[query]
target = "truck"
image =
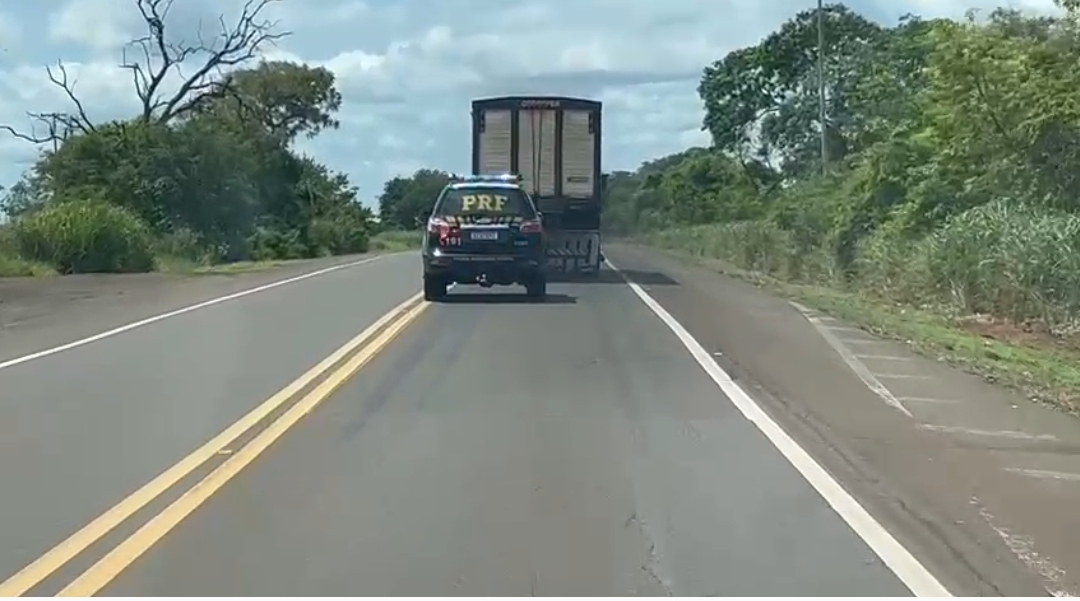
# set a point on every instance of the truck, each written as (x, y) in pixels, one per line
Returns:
(553, 144)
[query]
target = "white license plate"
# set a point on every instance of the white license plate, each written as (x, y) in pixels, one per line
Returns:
(484, 236)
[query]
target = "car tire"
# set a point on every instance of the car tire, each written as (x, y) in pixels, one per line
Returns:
(434, 289)
(536, 287)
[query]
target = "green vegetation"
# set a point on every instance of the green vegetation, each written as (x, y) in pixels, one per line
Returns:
(201, 176)
(950, 192)
(396, 240)
(406, 201)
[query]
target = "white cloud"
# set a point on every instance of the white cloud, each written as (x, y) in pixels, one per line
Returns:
(408, 68)
(348, 11)
(97, 25)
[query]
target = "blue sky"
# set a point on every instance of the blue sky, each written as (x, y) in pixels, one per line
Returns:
(408, 68)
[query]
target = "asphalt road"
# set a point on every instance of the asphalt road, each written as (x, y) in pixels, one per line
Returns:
(495, 447)
(81, 429)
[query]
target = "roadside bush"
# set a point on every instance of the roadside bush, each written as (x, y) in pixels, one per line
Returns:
(759, 246)
(269, 243)
(1004, 258)
(7, 241)
(11, 264)
(1008, 259)
(892, 264)
(186, 244)
(397, 240)
(339, 235)
(85, 237)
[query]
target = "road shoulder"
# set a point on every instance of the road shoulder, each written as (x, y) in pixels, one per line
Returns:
(966, 482)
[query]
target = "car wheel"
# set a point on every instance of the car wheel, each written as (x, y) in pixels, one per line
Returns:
(434, 289)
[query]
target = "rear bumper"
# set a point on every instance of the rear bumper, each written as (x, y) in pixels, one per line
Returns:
(496, 269)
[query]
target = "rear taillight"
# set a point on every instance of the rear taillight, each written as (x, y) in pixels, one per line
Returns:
(437, 226)
(443, 231)
(531, 227)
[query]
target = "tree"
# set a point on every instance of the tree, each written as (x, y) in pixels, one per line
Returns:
(762, 100)
(284, 99)
(207, 169)
(25, 196)
(406, 201)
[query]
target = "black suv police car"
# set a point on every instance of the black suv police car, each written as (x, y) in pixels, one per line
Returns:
(484, 230)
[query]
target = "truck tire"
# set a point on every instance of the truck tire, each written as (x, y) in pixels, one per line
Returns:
(434, 289)
(536, 287)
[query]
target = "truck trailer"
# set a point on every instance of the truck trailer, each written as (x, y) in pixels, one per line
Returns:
(553, 144)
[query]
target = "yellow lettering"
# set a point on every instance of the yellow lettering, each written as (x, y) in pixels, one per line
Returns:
(484, 202)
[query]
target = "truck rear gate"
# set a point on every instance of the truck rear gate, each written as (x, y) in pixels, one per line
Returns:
(554, 144)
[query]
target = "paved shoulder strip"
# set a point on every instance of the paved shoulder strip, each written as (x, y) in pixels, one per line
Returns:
(156, 318)
(898, 559)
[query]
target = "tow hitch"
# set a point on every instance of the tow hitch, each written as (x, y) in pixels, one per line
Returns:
(484, 281)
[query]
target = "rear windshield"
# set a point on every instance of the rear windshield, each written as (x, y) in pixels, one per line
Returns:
(485, 201)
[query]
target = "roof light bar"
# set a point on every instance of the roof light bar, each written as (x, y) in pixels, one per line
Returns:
(496, 177)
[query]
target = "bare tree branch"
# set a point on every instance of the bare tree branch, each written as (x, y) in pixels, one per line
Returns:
(59, 126)
(234, 45)
(159, 56)
(79, 119)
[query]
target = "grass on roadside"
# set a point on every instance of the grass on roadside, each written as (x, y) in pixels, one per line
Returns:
(179, 265)
(11, 265)
(396, 241)
(1043, 369)
(14, 267)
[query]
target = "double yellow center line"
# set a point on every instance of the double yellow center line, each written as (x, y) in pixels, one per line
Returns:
(334, 371)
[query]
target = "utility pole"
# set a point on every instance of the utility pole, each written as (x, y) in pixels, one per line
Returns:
(822, 116)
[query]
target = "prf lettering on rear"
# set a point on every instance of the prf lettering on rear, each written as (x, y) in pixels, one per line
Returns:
(494, 203)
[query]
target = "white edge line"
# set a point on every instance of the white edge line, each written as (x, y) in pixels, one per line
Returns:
(163, 316)
(866, 340)
(1044, 474)
(857, 366)
(842, 328)
(801, 308)
(907, 568)
(1013, 434)
(924, 399)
